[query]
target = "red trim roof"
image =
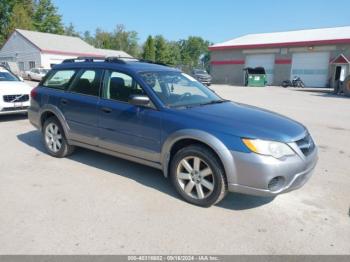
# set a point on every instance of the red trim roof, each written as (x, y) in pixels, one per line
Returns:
(340, 59)
(286, 44)
(228, 62)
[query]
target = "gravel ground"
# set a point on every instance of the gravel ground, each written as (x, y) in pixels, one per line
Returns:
(91, 203)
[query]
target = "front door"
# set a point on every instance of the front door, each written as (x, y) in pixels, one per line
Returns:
(125, 128)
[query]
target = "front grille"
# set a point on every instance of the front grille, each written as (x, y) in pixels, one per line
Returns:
(16, 98)
(7, 109)
(306, 145)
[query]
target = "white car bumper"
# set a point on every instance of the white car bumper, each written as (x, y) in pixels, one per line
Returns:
(13, 108)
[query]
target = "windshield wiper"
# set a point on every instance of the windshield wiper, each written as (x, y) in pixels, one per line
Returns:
(215, 102)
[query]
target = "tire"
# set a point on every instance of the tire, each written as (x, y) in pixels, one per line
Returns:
(53, 137)
(30, 78)
(206, 184)
(346, 86)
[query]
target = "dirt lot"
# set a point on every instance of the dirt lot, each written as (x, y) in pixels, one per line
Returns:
(91, 203)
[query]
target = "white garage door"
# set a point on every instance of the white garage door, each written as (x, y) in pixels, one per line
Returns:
(265, 61)
(312, 68)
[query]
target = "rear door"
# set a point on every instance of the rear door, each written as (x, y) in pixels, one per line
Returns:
(79, 105)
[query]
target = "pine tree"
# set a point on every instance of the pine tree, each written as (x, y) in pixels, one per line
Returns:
(149, 52)
(46, 18)
(162, 51)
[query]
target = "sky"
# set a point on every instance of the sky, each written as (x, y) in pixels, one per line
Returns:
(214, 20)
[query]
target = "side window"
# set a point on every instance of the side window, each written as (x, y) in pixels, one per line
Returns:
(59, 79)
(119, 86)
(88, 82)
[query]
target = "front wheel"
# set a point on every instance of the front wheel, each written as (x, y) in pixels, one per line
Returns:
(55, 140)
(198, 176)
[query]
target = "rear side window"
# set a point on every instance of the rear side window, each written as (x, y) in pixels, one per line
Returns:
(59, 79)
(87, 82)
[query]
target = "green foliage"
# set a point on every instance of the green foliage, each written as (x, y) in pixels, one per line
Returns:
(192, 49)
(120, 39)
(14, 14)
(46, 18)
(162, 49)
(149, 51)
(43, 16)
(70, 30)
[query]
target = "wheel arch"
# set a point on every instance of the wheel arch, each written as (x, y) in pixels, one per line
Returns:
(191, 136)
(51, 110)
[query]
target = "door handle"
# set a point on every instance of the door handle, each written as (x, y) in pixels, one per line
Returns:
(64, 101)
(106, 110)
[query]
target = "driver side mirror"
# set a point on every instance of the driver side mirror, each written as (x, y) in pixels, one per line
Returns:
(139, 100)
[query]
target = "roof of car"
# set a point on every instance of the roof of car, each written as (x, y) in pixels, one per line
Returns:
(134, 66)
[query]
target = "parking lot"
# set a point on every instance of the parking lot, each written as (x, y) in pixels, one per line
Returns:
(91, 203)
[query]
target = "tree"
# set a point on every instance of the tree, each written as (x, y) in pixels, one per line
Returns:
(14, 14)
(88, 38)
(174, 54)
(192, 49)
(46, 18)
(162, 50)
(70, 30)
(149, 52)
(125, 40)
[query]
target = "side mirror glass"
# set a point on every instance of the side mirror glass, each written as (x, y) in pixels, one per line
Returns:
(139, 100)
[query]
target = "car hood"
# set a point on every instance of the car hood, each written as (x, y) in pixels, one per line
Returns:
(246, 121)
(14, 88)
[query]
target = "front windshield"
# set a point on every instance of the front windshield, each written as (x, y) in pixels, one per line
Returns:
(7, 76)
(177, 89)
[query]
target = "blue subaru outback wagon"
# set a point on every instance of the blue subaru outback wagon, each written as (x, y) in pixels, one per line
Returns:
(158, 116)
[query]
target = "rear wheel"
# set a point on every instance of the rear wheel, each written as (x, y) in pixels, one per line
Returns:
(346, 86)
(55, 140)
(198, 176)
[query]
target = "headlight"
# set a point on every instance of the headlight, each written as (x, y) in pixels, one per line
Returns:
(269, 148)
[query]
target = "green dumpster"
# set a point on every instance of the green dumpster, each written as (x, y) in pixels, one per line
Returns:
(255, 77)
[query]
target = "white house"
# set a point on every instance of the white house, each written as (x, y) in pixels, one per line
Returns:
(31, 49)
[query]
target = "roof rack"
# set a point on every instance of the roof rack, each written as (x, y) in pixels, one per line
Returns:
(83, 59)
(111, 59)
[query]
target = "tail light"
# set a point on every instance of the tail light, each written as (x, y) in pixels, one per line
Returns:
(33, 93)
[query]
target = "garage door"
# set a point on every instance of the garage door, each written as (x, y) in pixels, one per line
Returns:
(312, 68)
(265, 61)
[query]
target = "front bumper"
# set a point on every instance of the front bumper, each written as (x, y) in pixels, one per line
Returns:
(14, 108)
(255, 173)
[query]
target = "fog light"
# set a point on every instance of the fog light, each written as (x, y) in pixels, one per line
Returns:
(276, 183)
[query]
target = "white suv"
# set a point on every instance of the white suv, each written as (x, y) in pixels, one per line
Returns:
(14, 93)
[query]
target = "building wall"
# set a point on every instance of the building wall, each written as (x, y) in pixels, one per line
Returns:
(227, 65)
(47, 60)
(18, 49)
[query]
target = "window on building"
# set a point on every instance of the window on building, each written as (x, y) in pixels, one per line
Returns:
(119, 86)
(31, 64)
(87, 82)
(59, 79)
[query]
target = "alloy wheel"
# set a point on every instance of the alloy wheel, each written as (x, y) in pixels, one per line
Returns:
(53, 137)
(195, 177)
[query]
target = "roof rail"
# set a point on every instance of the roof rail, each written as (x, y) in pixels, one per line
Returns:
(152, 62)
(111, 59)
(120, 59)
(83, 59)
